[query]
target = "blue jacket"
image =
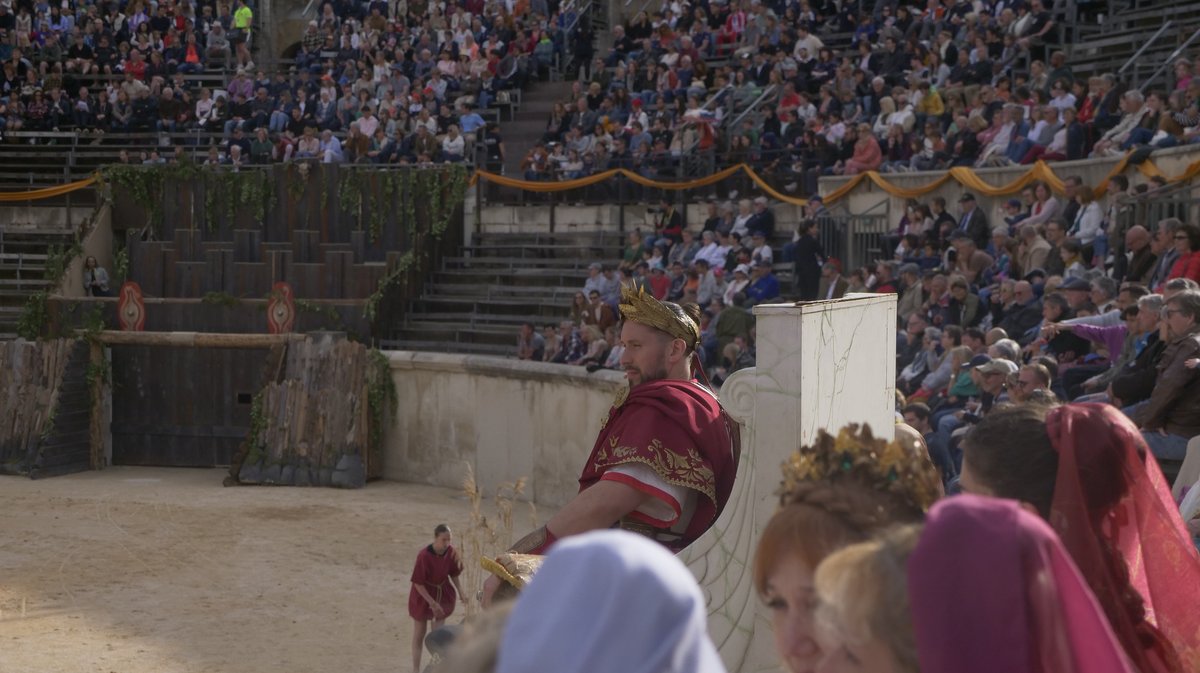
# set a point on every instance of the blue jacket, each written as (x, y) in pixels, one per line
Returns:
(763, 289)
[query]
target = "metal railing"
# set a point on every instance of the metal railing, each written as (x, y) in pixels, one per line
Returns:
(1141, 50)
(1170, 59)
(1180, 201)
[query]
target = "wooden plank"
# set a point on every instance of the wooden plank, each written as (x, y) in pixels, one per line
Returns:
(195, 339)
(96, 425)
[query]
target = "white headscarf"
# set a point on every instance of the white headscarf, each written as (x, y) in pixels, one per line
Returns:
(609, 602)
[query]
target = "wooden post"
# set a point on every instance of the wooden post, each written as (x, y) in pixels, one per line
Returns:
(96, 431)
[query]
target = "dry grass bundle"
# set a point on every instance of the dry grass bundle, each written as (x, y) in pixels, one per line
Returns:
(486, 537)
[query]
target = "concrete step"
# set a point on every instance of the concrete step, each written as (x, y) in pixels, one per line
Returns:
(603, 238)
(444, 347)
(517, 264)
(481, 292)
(497, 306)
(483, 319)
(526, 278)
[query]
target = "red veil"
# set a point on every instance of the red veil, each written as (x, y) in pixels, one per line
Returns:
(1114, 513)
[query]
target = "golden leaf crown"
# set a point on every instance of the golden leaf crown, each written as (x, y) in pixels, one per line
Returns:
(643, 308)
(901, 469)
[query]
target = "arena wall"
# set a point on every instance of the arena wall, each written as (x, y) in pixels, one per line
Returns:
(506, 419)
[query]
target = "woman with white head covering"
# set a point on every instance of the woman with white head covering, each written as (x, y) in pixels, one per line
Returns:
(609, 602)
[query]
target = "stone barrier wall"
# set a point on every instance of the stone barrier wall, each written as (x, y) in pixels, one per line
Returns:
(506, 419)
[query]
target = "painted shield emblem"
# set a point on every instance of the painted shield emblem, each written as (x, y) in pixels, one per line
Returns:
(131, 308)
(281, 309)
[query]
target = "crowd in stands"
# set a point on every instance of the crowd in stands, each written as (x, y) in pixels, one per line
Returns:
(918, 87)
(1059, 297)
(1065, 298)
(903, 87)
(726, 268)
(373, 82)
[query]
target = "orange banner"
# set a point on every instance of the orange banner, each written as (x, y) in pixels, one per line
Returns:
(960, 174)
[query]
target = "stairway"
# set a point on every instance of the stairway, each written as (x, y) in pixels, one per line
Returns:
(477, 301)
(24, 251)
(528, 125)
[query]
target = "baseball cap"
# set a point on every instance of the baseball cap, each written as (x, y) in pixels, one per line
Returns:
(978, 361)
(998, 366)
(1076, 284)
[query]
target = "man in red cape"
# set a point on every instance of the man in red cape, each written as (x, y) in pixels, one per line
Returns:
(664, 462)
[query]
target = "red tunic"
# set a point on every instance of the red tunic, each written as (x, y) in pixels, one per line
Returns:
(679, 430)
(434, 572)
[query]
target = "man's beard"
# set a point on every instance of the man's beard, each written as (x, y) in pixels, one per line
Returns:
(643, 377)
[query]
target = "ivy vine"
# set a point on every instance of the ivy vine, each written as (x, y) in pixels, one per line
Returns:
(350, 195)
(382, 400)
(220, 299)
(35, 316)
(394, 279)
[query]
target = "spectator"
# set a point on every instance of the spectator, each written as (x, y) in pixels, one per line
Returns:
(741, 279)
(95, 278)
(598, 313)
(1140, 268)
(970, 262)
(764, 287)
(973, 222)
(832, 285)
(530, 344)
(571, 346)
(1187, 246)
(1171, 416)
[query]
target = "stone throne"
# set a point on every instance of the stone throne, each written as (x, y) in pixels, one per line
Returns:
(819, 365)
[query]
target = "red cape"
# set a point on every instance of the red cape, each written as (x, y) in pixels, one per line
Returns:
(678, 429)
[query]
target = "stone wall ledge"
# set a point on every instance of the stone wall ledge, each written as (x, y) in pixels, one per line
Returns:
(484, 365)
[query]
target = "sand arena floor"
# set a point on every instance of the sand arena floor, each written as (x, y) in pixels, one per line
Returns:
(155, 570)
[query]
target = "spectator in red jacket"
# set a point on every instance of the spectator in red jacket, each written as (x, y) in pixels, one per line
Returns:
(1187, 243)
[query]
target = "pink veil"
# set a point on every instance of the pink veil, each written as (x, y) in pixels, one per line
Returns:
(1123, 530)
(992, 590)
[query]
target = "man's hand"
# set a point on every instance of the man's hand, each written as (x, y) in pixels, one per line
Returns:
(490, 585)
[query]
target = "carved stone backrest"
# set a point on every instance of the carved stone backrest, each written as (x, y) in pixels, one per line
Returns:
(819, 365)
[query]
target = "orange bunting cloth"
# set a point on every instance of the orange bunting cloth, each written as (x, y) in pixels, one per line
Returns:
(960, 174)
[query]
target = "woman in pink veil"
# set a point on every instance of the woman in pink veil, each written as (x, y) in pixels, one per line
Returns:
(1087, 471)
(992, 590)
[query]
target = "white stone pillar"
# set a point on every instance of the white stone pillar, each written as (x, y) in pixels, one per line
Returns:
(819, 365)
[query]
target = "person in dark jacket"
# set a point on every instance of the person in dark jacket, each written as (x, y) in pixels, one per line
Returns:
(974, 222)
(810, 256)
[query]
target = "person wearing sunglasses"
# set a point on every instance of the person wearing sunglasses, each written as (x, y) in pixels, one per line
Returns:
(1171, 416)
(1187, 244)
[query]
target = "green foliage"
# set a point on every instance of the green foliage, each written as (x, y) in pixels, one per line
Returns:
(34, 317)
(93, 322)
(147, 185)
(58, 259)
(220, 299)
(382, 400)
(101, 372)
(120, 265)
(332, 318)
(395, 279)
(258, 423)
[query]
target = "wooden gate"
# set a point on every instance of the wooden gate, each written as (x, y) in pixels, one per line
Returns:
(181, 407)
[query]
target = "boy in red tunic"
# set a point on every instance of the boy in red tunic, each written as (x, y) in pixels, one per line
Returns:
(434, 588)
